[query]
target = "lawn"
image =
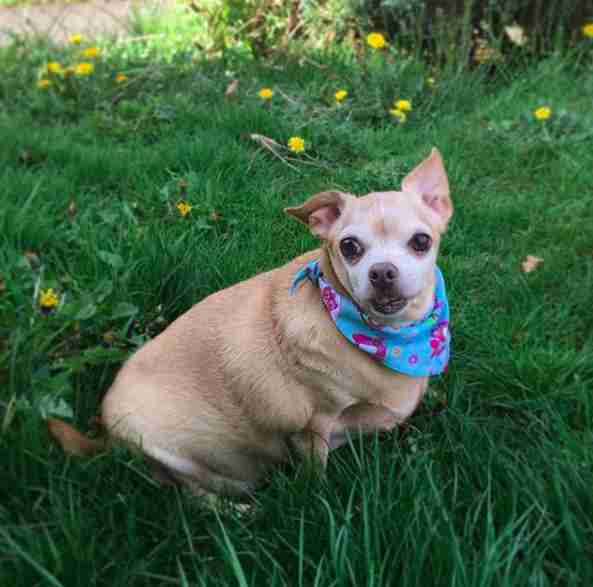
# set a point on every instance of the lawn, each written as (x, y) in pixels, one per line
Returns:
(490, 482)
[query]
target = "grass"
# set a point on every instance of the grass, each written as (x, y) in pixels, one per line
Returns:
(488, 484)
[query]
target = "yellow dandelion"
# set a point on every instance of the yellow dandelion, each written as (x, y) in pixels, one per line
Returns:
(296, 144)
(398, 114)
(54, 67)
(484, 53)
(75, 39)
(266, 93)
(184, 208)
(43, 84)
(48, 299)
(542, 113)
(121, 77)
(403, 105)
(84, 68)
(340, 95)
(91, 52)
(588, 30)
(376, 40)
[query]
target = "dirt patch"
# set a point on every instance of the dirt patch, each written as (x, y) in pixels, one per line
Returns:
(58, 21)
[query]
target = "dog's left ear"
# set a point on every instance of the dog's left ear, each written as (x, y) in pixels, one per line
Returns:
(429, 179)
(320, 211)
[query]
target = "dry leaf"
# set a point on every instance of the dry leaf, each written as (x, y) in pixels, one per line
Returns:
(530, 263)
(264, 141)
(231, 89)
(516, 34)
(33, 259)
(72, 441)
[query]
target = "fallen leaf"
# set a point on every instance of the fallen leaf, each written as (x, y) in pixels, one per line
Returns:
(516, 34)
(231, 89)
(33, 259)
(530, 263)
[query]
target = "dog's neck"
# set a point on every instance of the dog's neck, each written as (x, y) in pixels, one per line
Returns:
(416, 309)
(325, 264)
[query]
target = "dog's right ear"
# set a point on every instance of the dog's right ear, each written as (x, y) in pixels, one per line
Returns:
(320, 211)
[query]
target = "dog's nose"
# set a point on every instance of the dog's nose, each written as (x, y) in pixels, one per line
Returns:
(383, 275)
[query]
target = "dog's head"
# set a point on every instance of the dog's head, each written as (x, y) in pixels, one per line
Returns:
(383, 246)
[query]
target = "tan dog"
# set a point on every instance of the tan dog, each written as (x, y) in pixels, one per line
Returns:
(252, 372)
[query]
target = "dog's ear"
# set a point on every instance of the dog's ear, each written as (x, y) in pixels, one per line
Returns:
(320, 211)
(429, 179)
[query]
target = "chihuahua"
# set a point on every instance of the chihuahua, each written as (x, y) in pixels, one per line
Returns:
(341, 340)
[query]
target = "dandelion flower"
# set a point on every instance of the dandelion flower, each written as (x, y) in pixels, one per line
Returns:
(376, 40)
(54, 67)
(400, 115)
(266, 93)
(75, 39)
(91, 52)
(48, 299)
(542, 113)
(121, 77)
(43, 84)
(403, 105)
(84, 68)
(184, 208)
(341, 95)
(484, 53)
(588, 30)
(296, 144)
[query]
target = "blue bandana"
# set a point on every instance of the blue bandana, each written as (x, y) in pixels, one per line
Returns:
(418, 349)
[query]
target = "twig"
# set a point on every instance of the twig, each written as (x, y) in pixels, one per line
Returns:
(271, 146)
(140, 38)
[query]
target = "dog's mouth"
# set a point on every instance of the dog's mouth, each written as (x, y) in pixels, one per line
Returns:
(389, 306)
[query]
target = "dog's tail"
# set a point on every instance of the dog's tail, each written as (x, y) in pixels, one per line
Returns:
(74, 442)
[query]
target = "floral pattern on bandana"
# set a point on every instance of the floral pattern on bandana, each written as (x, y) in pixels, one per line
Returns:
(331, 301)
(418, 349)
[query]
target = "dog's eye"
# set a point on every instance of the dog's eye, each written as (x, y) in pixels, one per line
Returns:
(351, 249)
(420, 242)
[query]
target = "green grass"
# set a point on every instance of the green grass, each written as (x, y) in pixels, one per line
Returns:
(489, 483)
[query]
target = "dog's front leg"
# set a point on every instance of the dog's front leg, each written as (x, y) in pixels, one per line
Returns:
(312, 443)
(362, 418)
